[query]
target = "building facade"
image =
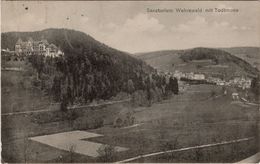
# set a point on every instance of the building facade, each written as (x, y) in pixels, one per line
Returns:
(42, 47)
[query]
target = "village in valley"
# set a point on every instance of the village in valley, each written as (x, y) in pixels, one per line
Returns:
(185, 78)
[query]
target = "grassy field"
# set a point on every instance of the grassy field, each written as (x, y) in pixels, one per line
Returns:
(189, 119)
(18, 94)
(18, 91)
(184, 124)
(216, 154)
(17, 64)
(249, 54)
(16, 129)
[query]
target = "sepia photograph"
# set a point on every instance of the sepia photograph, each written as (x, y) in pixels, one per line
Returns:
(130, 81)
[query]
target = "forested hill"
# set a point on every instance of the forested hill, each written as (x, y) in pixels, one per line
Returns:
(89, 69)
(218, 56)
(249, 54)
(69, 41)
(204, 60)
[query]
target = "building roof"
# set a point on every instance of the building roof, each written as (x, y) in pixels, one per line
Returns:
(44, 41)
(19, 41)
(30, 39)
(234, 94)
(52, 46)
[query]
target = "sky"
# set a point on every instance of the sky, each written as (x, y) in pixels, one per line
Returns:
(128, 26)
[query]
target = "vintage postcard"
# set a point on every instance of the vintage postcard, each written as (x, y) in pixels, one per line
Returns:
(130, 81)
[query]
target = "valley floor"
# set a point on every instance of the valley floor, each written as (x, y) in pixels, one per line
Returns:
(192, 118)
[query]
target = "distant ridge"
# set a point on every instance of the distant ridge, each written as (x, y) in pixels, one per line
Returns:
(167, 59)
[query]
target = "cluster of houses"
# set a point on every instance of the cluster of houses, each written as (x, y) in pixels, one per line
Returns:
(241, 82)
(42, 47)
(189, 75)
(31, 47)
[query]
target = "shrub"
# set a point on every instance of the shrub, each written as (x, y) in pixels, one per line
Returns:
(64, 105)
(118, 122)
(94, 123)
(213, 93)
(98, 123)
(36, 82)
(106, 153)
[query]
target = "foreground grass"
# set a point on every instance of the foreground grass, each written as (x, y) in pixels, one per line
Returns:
(190, 119)
(179, 125)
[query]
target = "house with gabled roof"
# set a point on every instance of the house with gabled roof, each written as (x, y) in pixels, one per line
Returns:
(42, 47)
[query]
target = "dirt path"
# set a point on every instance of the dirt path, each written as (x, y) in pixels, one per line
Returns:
(184, 149)
(29, 112)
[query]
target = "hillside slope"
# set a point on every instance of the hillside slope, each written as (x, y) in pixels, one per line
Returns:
(69, 41)
(204, 60)
(89, 69)
(249, 54)
(162, 60)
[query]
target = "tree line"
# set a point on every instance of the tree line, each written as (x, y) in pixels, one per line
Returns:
(89, 70)
(84, 78)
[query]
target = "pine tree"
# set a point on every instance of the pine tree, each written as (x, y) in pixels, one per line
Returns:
(175, 86)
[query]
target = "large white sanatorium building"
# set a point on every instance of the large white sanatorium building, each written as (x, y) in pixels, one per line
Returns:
(41, 47)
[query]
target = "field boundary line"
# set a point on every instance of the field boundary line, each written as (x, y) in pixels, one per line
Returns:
(249, 103)
(53, 110)
(28, 112)
(96, 105)
(185, 149)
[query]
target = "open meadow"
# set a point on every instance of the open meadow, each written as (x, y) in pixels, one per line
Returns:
(190, 119)
(20, 95)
